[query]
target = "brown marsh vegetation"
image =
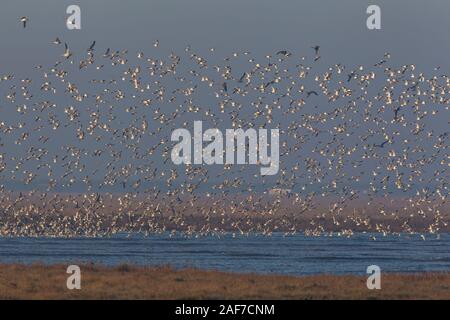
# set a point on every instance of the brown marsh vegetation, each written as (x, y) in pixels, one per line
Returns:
(131, 282)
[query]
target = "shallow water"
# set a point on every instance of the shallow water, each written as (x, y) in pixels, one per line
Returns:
(296, 254)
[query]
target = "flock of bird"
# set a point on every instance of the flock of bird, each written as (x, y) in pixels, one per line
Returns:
(85, 144)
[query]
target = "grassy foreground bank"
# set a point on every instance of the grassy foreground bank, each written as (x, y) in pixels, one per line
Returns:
(129, 282)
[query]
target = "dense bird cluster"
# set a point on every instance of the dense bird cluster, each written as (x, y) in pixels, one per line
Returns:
(85, 144)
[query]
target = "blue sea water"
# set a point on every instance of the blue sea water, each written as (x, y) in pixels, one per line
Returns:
(295, 255)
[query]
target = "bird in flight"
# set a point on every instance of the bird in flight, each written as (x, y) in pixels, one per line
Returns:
(310, 93)
(382, 144)
(67, 54)
(350, 76)
(316, 50)
(284, 53)
(24, 21)
(91, 48)
(242, 77)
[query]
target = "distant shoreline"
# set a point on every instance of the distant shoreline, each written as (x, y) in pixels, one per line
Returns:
(69, 215)
(36, 281)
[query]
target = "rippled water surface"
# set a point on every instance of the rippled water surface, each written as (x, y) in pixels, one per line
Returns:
(277, 254)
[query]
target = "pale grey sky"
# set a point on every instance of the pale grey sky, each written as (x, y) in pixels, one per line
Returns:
(413, 31)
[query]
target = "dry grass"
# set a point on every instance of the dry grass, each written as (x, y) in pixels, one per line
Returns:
(130, 282)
